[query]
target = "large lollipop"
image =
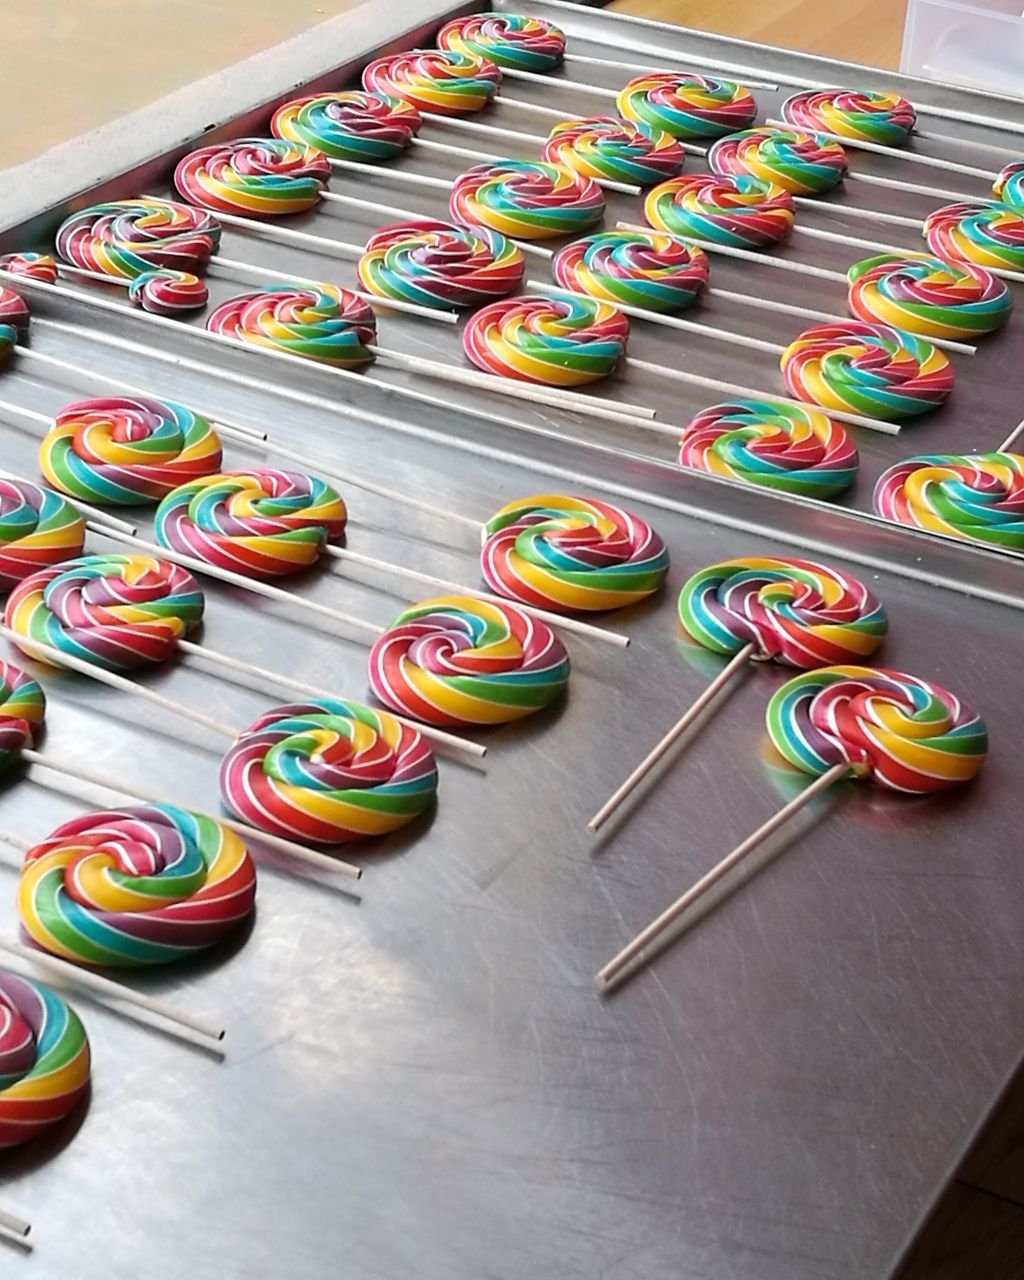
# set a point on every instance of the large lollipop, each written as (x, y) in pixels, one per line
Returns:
(265, 177)
(687, 105)
(929, 296)
(863, 115)
(507, 39)
(526, 198)
(128, 238)
(320, 322)
(977, 496)
(905, 734)
(34, 266)
(349, 126)
(37, 527)
(766, 609)
(442, 82)
(616, 150)
(438, 264)
(990, 235)
(802, 163)
(634, 268)
(735, 210)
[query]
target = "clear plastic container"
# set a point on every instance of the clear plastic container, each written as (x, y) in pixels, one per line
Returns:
(980, 43)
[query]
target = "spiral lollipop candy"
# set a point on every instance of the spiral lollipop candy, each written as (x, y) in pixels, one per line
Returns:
(860, 114)
(735, 210)
(1009, 185)
(437, 264)
(328, 771)
(444, 82)
(13, 318)
(44, 1059)
(991, 235)
(776, 446)
(507, 39)
(349, 126)
(167, 293)
(321, 322)
(458, 660)
(267, 177)
(260, 522)
(142, 885)
(687, 105)
(121, 451)
(602, 147)
(527, 199)
(37, 266)
(802, 163)
(126, 238)
(561, 342)
(636, 268)
(22, 711)
(975, 496)
(37, 528)
(867, 368)
(929, 296)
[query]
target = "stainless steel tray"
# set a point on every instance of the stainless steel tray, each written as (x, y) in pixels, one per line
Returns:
(424, 1082)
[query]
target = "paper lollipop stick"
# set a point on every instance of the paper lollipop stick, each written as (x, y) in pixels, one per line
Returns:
(906, 735)
(763, 609)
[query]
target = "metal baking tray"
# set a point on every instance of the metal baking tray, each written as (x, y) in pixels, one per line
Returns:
(421, 1080)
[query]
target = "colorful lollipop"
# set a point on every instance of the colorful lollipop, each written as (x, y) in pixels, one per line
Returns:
(777, 446)
(327, 771)
(527, 199)
(142, 885)
(37, 266)
(860, 114)
(507, 39)
(735, 210)
(458, 660)
(121, 451)
(44, 1059)
(127, 238)
(37, 528)
(263, 177)
(929, 296)
(802, 163)
(22, 711)
(167, 293)
(976, 496)
(867, 368)
(260, 523)
(321, 322)
(991, 235)
(635, 268)
(1009, 185)
(349, 126)
(766, 609)
(569, 554)
(13, 318)
(437, 264)
(687, 105)
(560, 342)
(444, 83)
(602, 147)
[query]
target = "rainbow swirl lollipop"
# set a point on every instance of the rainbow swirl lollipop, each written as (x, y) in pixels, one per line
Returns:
(44, 1060)
(168, 293)
(561, 342)
(977, 496)
(928, 296)
(259, 522)
(507, 39)
(320, 322)
(687, 105)
(437, 264)
(349, 126)
(740, 211)
(638, 268)
(457, 660)
(602, 147)
(1009, 185)
(526, 199)
(118, 612)
(565, 553)
(860, 114)
(795, 612)
(121, 451)
(36, 266)
(126, 238)
(13, 319)
(37, 527)
(265, 177)
(867, 368)
(903, 733)
(991, 235)
(142, 885)
(775, 446)
(22, 711)
(326, 771)
(440, 82)
(803, 163)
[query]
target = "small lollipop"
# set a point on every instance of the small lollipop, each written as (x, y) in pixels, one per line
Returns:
(687, 105)
(13, 319)
(168, 293)
(616, 150)
(990, 235)
(349, 126)
(127, 238)
(569, 554)
(1009, 185)
(977, 496)
(734, 210)
(867, 368)
(22, 711)
(443, 82)
(802, 163)
(929, 296)
(320, 322)
(264, 177)
(527, 199)
(328, 771)
(765, 609)
(634, 268)
(37, 528)
(36, 266)
(507, 39)
(438, 264)
(904, 734)
(859, 114)
(459, 660)
(777, 446)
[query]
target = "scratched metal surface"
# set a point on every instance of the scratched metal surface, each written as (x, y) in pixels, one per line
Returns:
(423, 1082)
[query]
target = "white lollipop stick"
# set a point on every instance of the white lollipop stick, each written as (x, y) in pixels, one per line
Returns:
(15, 1226)
(1011, 439)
